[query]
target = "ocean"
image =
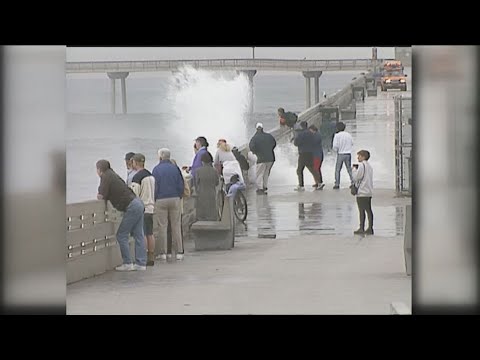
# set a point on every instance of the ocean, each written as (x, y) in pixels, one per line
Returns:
(166, 110)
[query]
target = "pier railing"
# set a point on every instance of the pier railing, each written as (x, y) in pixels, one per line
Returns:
(223, 64)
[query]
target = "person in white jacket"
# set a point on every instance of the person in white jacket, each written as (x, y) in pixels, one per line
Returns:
(363, 180)
(342, 145)
(226, 163)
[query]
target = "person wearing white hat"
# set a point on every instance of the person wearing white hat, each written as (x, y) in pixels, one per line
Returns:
(262, 144)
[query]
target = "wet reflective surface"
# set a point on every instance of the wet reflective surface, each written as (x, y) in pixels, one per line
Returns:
(286, 213)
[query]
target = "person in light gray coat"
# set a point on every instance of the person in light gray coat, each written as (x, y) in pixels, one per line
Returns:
(363, 179)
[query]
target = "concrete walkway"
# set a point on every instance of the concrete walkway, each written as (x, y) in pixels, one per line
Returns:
(309, 268)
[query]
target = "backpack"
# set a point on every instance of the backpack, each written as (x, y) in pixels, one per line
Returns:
(241, 160)
(290, 118)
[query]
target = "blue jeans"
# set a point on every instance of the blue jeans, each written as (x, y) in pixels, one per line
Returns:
(132, 222)
(347, 159)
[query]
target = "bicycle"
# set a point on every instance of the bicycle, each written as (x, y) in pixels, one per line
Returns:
(240, 208)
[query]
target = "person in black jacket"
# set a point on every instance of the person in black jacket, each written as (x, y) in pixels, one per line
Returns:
(317, 155)
(242, 160)
(287, 118)
(305, 142)
(262, 145)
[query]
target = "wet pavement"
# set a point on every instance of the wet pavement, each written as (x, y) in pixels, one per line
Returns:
(296, 255)
(284, 213)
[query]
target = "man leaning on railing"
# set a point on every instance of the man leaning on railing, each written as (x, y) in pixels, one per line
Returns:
(113, 188)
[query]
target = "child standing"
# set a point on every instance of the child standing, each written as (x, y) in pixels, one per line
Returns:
(363, 179)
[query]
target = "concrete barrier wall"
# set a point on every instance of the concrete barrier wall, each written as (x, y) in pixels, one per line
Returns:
(91, 244)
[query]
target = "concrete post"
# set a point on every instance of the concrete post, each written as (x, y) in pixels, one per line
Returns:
(122, 76)
(112, 101)
(307, 92)
(316, 75)
(124, 95)
(317, 89)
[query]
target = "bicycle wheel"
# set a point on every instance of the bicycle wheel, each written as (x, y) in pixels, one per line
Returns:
(240, 206)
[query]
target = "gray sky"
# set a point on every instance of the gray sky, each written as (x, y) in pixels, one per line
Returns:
(181, 53)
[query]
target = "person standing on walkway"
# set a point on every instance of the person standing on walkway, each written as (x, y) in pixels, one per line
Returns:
(363, 180)
(186, 194)
(262, 144)
(206, 182)
(305, 142)
(317, 155)
(143, 185)
(225, 162)
(169, 188)
(113, 188)
(201, 144)
(242, 160)
(342, 145)
(130, 170)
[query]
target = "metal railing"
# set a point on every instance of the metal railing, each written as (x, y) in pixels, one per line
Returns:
(222, 64)
(403, 145)
(90, 226)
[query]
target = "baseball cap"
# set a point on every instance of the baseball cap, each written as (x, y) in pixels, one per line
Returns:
(140, 158)
(259, 125)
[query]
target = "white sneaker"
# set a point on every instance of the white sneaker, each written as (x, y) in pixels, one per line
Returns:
(179, 256)
(125, 267)
(321, 186)
(299, 188)
(139, 267)
(169, 256)
(161, 257)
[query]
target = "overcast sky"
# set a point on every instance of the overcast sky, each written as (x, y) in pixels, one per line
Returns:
(180, 53)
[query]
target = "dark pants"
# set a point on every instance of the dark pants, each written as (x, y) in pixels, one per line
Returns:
(306, 160)
(317, 165)
(365, 205)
